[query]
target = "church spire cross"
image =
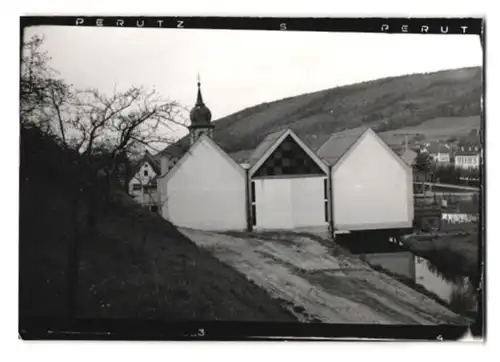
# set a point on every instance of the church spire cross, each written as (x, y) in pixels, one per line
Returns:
(199, 98)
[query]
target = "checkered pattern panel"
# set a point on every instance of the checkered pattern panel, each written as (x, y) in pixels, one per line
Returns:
(289, 159)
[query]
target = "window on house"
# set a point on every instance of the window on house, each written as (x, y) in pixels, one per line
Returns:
(252, 191)
(326, 211)
(145, 172)
(325, 187)
(136, 187)
(253, 201)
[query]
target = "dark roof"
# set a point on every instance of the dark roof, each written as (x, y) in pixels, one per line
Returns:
(315, 141)
(468, 150)
(176, 150)
(338, 144)
(148, 157)
(241, 156)
(466, 153)
(438, 147)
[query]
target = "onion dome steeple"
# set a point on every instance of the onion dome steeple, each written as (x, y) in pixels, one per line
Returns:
(200, 117)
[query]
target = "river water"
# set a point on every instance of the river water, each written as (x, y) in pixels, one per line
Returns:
(427, 276)
(424, 273)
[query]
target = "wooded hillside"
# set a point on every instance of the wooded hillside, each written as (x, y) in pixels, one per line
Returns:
(385, 104)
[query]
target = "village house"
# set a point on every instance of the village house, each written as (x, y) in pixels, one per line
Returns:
(354, 181)
(467, 157)
(440, 153)
(143, 184)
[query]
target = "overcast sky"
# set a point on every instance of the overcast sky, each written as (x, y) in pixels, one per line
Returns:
(243, 68)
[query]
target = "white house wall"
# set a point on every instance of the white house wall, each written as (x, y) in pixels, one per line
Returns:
(371, 189)
(205, 192)
(286, 203)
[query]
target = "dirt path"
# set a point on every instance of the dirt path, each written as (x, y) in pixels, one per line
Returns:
(319, 286)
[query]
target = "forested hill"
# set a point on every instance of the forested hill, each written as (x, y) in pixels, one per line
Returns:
(385, 104)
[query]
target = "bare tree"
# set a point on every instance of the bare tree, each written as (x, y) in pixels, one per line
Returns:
(105, 130)
(40, 89)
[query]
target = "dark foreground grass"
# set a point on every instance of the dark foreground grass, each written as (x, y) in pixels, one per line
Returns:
(138, 267)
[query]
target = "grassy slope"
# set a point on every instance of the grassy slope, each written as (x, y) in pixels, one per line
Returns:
(398, 102)
(139, 266)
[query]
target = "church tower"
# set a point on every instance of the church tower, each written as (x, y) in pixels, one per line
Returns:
(200, 119)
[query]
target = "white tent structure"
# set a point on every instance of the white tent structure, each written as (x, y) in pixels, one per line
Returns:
(372, 187)
(205, 190)
(288, 184)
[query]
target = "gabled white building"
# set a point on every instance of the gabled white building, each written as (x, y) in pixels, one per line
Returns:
(205, 190)
(288, 184)
(440, 153)
(371, 186)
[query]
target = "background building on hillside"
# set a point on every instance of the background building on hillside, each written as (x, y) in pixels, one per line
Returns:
(143, 185)
(468, 157)
(441, 153)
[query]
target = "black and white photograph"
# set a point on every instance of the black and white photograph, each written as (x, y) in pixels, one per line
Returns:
(182, 180)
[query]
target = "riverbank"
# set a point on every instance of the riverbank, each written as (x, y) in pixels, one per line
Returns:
(453, 257)
(454, 253)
